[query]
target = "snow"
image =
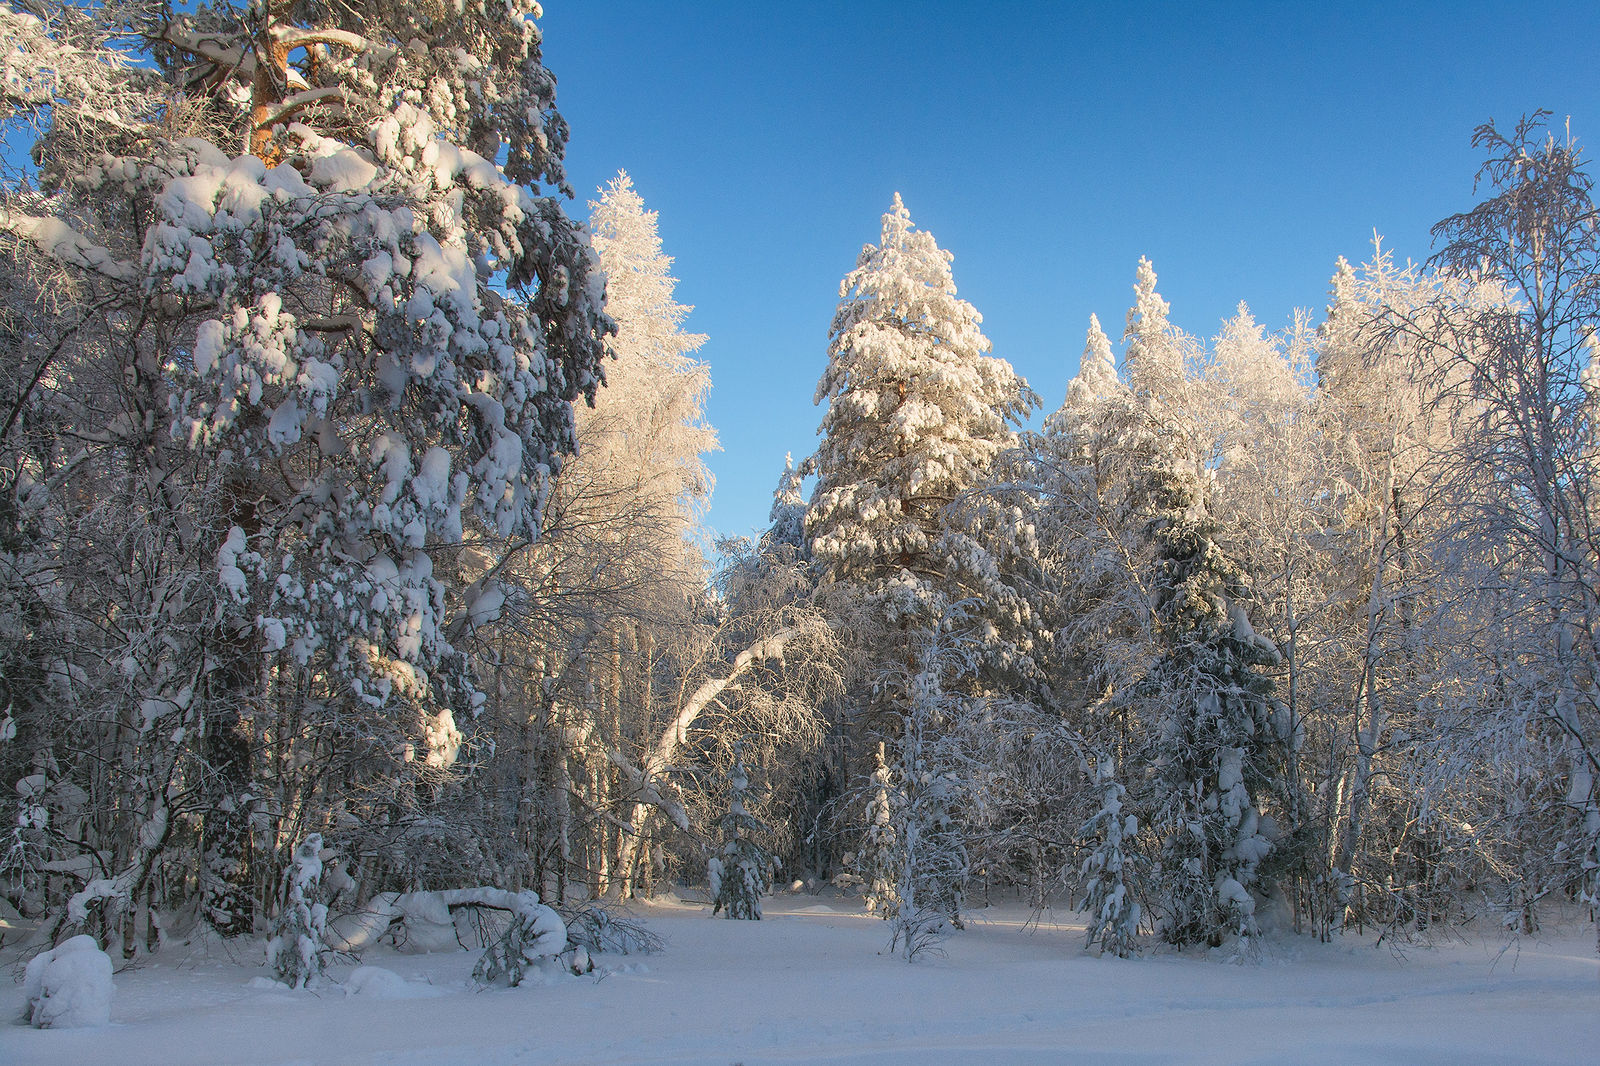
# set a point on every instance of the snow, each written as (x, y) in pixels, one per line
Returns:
(809, 984)
(69, 986)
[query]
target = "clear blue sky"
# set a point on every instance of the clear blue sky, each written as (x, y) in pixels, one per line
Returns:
(1243, 147)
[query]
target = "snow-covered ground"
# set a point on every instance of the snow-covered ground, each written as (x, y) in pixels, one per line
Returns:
(808, 985)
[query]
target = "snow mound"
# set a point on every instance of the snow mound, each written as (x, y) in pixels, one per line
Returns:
(69, 986)
(375, 982)
(267, 984)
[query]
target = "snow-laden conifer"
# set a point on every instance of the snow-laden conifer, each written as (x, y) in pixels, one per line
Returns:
(930, 848)
(1094, 384)
(1110, 894)
(916, 414)
(786, 519)
(740, 870)
(296, 952)
(339, 323)
(1217, 727)
(878, 859)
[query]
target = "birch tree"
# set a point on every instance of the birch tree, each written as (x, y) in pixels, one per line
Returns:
(1526, 368)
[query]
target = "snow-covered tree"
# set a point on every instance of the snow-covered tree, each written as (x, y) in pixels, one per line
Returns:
(296, 952)
(740, 870)
(877, 862)
(1215, 732)
(1262, 424)
(1090, 539)
(1154, 354)
(1525, 368)
(786, 522)
(651, 417)
(328, 326)
(931, 862)
(916, 414)
(1217, 726)
(1110, 894)
(1395, 618)
(1091, 387)
(593, 625)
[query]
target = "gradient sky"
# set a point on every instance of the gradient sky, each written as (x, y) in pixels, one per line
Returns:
(1243, 147)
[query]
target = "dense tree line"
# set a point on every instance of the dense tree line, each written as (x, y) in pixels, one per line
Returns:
(349, 514)
(1302, 620)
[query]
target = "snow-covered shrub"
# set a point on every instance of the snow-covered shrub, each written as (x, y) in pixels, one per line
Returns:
(598, 930)
(741, 870)
(357, 931)
(422, 922)
(295, 951)
(534, 932)
(425, 924)
(69, 985)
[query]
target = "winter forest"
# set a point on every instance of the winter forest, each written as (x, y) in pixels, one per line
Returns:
(353, 586)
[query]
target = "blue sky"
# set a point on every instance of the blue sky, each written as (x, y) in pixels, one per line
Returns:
(1243, 147)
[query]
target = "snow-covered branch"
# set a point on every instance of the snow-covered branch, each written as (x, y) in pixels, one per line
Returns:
(58, 240)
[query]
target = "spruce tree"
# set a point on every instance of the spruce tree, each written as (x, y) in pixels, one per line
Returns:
(786, 522)
(878, 859)
(1109, 897)
(296, 952)
(741, 870)
(1216, 730)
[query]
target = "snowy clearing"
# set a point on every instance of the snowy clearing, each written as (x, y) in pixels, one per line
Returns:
(808, 985)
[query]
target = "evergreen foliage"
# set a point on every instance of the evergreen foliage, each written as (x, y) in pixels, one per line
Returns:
(878, 860)
(740, 872)
(1110, 894)
(296, 952)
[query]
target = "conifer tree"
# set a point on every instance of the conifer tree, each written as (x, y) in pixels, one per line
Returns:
(931, 857)
(878, 858)
(741, 870)
(1109, 895)
(917, 412)
(296, 952)
(786, 522)
(340, 316)
(1215, 725)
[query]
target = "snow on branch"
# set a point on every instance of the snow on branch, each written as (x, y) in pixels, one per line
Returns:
(208, 47)
(768, 648)
(65, 245)
(300, 37)
(300, 101)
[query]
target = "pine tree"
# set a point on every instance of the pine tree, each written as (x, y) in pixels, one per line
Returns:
(917, 413)
(741, 870)
(339, 320)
